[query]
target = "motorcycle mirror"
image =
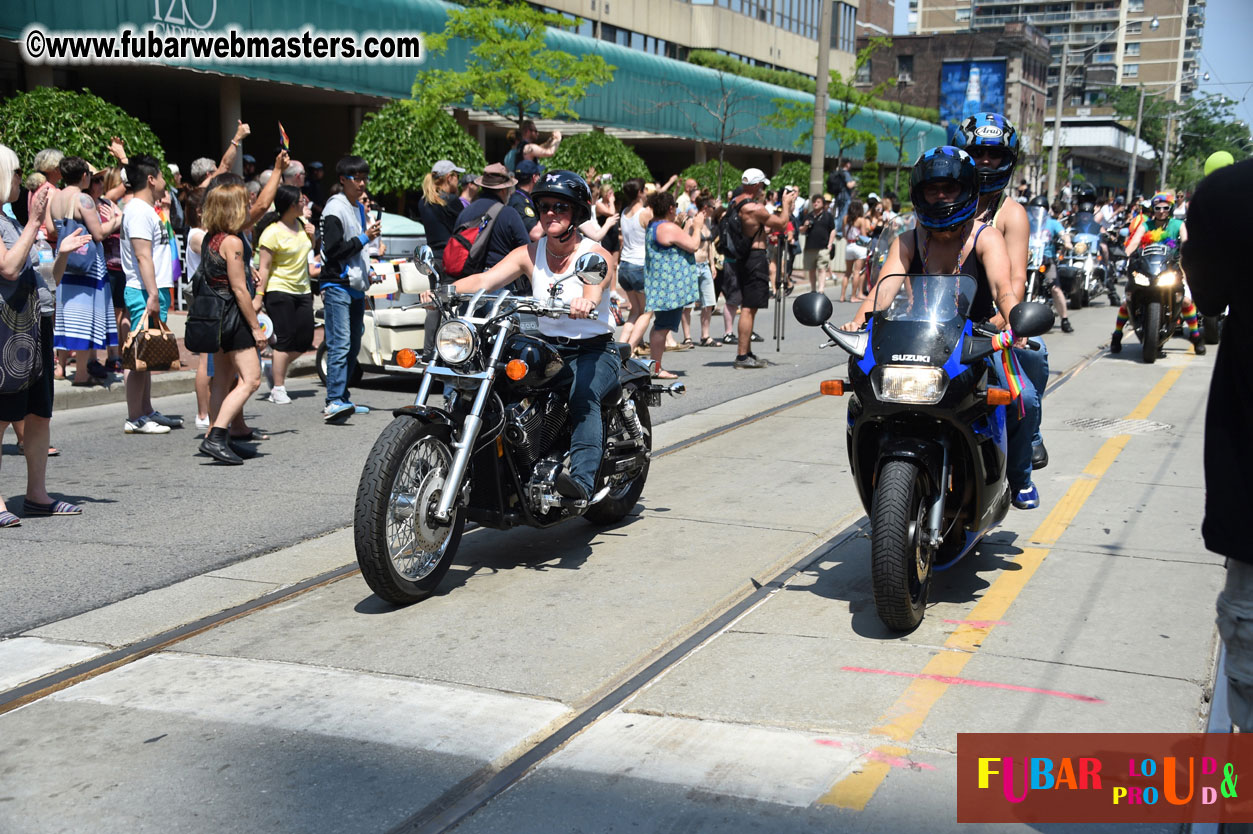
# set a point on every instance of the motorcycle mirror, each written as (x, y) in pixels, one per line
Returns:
(424, 260)
(1031, 319)
(812, 309)
(591, 268)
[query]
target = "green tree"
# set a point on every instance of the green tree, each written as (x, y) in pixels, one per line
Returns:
(1206, 125)
(510, 69)
(799, 116)
(77, 124)
(402, 141)
(1126, 100)
(607, 154)
(794, 173)
(868, 177)
(713, 176)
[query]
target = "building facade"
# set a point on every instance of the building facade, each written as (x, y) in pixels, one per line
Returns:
(875, 18)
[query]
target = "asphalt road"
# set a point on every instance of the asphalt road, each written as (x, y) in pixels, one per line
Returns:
(156, 513)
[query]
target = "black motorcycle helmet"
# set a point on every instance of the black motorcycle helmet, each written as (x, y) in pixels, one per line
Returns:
(1085, 197)
(995, 131)
(568, 186)
(944, 163)
(1041, 202)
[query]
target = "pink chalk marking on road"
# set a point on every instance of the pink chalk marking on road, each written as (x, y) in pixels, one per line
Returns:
(977, 623)
(878, 756)
(1088, 699)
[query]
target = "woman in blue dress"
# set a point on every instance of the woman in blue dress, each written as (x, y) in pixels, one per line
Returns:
(670, 279)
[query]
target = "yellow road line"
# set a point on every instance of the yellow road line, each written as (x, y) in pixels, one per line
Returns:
(905, 717)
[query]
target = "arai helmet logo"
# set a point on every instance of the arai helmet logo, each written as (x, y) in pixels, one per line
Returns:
(989, 132)
(911, 357)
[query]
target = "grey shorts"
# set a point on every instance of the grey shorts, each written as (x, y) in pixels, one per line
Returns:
(705, 276)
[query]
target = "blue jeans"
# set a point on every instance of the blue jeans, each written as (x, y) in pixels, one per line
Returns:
(1022, 431)
(592, 373)
(344, 317)
(839, 209)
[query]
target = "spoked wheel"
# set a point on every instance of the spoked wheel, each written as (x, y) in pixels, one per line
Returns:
(900, 564)
(624, 489)
(402, 549)
(1152, 332)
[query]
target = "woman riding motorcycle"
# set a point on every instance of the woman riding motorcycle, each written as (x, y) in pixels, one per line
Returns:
(1161, 227)
(564, 201)
(944, 188)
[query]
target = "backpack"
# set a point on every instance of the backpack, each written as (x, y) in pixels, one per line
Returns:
(732, 242)
(466, 251)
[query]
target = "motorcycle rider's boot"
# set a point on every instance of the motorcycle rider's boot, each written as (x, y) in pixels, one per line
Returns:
(1039, 457)
(1115, 300)
(1198, 344)
(1115, 342)
(216, 444)
(1067, 327)
(567, 487)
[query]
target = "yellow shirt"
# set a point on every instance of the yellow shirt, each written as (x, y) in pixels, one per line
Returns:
(289, 262)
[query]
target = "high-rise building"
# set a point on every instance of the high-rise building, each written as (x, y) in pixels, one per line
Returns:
(1110, 42)
(875, 17)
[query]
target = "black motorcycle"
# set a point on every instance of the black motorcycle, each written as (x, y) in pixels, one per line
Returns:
(491, 455)
(1154, 297)
(926, 434)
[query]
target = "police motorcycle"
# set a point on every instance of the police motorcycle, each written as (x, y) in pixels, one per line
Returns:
(1081, 272)
(1154, 297)
(926, 431)
(492, 452)
(1037, 262)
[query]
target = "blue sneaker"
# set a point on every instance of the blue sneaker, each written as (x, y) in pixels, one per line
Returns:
(1028, 498)
(337, 412)
(358, 409)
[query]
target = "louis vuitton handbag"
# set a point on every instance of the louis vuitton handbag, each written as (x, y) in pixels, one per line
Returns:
(151, 348)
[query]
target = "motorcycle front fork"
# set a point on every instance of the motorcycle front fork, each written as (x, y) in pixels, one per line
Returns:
(935, 515)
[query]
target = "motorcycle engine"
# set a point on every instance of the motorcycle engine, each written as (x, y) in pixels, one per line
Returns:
(534, 426)
(541, 491)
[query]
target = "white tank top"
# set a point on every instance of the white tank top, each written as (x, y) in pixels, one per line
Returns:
(565, 327)
(632, 239)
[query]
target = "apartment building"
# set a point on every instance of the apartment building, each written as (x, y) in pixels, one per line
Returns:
(875, 18)
(780, 34)
(1110, 42)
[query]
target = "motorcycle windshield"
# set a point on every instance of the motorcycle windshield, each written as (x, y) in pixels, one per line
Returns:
(1085, 224)
(893, 229)
(1038, 217)
(920, 318)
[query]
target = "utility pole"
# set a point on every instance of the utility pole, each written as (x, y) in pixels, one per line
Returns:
(818, 154)
(1135, 151)
(1057, 126)
(1170, 117)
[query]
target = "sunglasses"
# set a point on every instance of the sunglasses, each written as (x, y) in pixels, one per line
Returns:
(553, 206)
(362, 178)
(1161, 208)
(987, 153)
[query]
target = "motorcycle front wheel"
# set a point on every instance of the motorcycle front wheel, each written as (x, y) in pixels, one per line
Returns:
(1152, 332)
(900, 564)
(402, 550)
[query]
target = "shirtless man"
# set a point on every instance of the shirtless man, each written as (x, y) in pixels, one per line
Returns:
(992, 142)
(753, 274)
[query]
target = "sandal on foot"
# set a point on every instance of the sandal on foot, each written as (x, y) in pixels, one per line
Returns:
(7, 519)
(709, 341)
(55, 508)
(664, 375)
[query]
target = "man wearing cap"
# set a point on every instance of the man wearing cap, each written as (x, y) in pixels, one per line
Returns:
(753, 274)
(508, 232)
(250, 167)
(526, 172)
(313, 185)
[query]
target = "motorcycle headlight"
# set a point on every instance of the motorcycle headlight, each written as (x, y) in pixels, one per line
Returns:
(1168, 279)
(912, 384)
(1141, 279)
(1081, 247)
(455, 342)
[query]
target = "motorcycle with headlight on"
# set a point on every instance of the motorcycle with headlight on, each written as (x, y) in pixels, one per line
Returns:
(1082, 271)
(1154, 297)
(492, 452)
(926, 431)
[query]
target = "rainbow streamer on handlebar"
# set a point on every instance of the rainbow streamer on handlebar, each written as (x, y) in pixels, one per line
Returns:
(1004, 342)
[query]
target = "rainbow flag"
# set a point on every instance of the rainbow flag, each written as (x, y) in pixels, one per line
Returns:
(282, 136)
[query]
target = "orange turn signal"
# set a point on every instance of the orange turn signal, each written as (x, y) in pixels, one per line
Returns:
(516, 369)
(999, 396)
(832, 387)
(406, 358)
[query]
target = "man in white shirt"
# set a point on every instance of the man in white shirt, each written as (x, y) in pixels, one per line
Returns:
(147, 264)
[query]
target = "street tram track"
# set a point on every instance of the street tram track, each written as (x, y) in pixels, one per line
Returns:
(464, 799)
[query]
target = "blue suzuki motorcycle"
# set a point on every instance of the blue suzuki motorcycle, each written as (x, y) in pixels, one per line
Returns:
(926, 431)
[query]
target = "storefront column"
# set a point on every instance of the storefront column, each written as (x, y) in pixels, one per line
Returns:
(777, 161)
(700, 153)
(229, 114)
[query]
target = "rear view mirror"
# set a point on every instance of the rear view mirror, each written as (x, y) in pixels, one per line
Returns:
(812, 309)
(591, 268)
(424, 260)
(1030, 319)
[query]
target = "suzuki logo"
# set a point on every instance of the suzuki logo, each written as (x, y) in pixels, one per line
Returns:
(911, 357)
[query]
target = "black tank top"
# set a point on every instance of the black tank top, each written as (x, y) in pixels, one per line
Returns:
(982, 307)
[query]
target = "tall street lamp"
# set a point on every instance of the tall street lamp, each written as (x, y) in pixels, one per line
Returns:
(1061, 91)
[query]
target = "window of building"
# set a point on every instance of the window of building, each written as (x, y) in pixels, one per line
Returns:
(1131, 49)
(905, 66)
(844, 28)
(863, 74)
(1134, 28)
(962, 14)
(1135, 5)
(1130, 70)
